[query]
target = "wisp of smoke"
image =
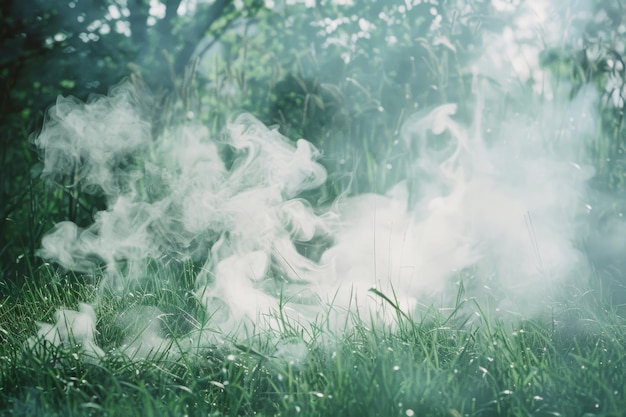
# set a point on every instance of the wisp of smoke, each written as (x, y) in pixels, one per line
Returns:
(501, 217)
(71, 326)
(172, 199)
(493, 203)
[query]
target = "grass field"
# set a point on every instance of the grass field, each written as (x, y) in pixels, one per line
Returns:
(455, 362)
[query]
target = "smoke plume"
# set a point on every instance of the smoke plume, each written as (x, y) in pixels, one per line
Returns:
(495, 204)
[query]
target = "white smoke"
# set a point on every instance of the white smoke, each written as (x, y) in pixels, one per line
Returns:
(496, 206)
(73, 327)
(504, 215)
(171, 199)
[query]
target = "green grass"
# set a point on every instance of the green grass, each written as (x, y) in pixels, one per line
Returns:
(459, 362)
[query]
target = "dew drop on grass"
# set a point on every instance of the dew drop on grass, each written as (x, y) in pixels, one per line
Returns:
(537, 398)
(231, 357)
(409, 412)
(396, 368)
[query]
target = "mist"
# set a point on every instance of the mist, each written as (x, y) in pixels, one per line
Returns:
(493, 206)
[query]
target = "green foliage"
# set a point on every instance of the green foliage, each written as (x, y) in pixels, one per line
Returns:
(345, 77)
(597, 57)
